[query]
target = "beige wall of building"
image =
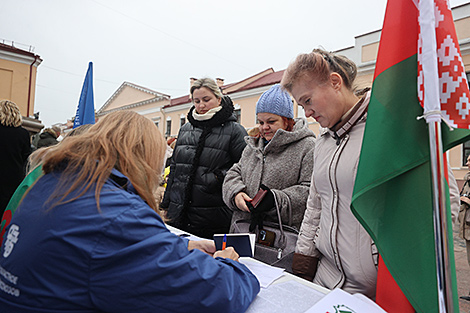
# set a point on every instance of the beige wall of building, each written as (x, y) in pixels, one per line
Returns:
(18, 69)
(144, 101)
(364, 53)
(246, 93)
(17, 86)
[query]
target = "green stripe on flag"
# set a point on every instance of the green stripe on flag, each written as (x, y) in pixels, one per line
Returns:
(393, 192)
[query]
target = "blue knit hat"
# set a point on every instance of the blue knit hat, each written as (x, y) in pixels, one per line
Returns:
(275, 101)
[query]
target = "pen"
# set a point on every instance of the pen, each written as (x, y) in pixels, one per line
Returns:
(224, 243)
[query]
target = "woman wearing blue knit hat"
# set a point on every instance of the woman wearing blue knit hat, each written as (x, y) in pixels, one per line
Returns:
(280, 161)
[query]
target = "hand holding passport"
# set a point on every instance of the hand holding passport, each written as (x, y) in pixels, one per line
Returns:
(263, 201)
(244, 244)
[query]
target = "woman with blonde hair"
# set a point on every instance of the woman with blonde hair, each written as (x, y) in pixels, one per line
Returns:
(34, 171)
(333, 249)
(88, 237)
(207, 146)
(15, 146)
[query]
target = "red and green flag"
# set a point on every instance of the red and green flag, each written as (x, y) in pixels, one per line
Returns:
(16, 198)
(392, 195)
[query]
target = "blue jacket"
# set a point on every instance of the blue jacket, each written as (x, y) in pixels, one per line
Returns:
(74, 258)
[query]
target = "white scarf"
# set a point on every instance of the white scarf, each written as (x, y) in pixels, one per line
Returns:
(206, 116)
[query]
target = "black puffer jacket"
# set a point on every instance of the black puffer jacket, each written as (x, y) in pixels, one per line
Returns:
(204, 152)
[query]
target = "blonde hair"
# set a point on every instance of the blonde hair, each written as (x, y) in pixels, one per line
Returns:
(253, 132)
(37, 157)
(209, 84)
(10, 114)
(318, 65)
(123, 140)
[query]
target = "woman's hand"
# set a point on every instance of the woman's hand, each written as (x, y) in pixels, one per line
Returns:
(228, 253)
(240, 201)
(465, 200)
(206, 246)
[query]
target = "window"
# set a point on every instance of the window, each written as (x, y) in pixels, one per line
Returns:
(465, 145)
(168, 128)
(158, 124)
(238, 115)
(465, 152)
(300, 111)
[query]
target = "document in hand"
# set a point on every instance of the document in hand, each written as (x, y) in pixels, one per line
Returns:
(340, 301)
(244, 244)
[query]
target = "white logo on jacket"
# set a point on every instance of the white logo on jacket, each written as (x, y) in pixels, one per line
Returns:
(12, 238)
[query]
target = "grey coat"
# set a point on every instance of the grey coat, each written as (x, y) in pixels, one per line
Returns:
(284, 165)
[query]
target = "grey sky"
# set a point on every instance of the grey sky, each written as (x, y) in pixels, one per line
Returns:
(161, 44)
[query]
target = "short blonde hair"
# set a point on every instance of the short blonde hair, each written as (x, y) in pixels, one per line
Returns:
(318, 65)
(10, 114)
(209, 83)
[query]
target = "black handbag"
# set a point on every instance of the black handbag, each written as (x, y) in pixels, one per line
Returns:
(281, 253)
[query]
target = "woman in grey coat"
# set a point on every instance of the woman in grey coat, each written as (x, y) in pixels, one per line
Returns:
(280, 159)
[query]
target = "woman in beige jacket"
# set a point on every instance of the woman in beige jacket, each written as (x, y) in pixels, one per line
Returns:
(333, 249)
(322, 83)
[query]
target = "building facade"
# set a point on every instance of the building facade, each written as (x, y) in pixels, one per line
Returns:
(364, 54)
(170, 114)
(18, 69)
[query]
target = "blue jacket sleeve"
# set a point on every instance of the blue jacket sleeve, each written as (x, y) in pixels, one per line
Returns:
(145, 268)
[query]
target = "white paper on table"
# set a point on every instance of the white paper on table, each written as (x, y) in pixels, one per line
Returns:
(265, 274)
(341, 301)
(285, 297)
(183, 234)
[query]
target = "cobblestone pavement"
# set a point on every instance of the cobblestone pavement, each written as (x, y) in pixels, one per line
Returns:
(463, 272)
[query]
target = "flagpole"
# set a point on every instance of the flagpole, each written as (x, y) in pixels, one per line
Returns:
(443, 268)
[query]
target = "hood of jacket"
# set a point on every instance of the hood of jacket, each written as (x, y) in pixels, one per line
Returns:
(282, 138)
(467, 176)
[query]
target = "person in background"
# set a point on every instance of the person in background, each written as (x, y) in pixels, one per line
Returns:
(34, 171)
(15, 147)
(65, 248)
(171, 142)
(464, 216)
(254, 131)
(48, 137)
(280, 158)
(207, 146)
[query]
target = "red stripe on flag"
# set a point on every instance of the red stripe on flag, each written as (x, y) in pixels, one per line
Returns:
(389, 296)
(400, 22)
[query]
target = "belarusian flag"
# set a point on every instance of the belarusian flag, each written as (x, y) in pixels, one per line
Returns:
(17, 197)
(393, 190)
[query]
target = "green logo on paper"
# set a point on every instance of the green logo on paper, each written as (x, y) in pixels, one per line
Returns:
(341, 308)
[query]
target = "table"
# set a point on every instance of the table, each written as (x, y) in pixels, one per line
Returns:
(288, 294)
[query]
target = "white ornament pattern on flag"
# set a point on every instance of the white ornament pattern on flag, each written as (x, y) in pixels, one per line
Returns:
(453, 85)
(462, 106)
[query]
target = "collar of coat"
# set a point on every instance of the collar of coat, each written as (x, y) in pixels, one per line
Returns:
(218, 119)
(282, 138)
(343, 127)
(467, 176)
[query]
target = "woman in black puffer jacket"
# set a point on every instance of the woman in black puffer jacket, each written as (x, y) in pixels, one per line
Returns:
(206, 148)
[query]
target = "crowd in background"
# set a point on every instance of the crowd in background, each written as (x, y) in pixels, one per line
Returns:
(87, 230)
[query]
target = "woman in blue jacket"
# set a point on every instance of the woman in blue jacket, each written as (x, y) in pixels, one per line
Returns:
(88, 236)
